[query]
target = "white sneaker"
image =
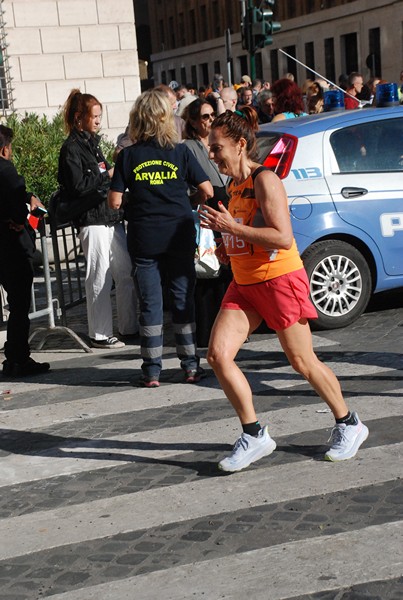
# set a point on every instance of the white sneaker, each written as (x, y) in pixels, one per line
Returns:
(248, 449)
(346, 439)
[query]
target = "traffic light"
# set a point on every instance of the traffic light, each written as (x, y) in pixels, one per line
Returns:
(263, 26)
(246, 30)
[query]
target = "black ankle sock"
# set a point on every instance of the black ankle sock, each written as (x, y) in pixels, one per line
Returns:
(252, 428)
(349, 419)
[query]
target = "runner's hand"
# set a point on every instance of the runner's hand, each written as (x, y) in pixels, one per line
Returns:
(217, 220)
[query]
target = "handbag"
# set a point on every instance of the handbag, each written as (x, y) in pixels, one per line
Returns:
(207, 264)
(63, 210)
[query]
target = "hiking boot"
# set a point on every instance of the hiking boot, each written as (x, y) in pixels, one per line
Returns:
(29, 367)
(110, 342)
(248, 449)
(346, 439)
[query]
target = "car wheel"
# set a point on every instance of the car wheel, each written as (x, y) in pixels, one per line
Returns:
(340, 283)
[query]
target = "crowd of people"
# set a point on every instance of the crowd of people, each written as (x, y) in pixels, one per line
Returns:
(186, 154)
(261, 96)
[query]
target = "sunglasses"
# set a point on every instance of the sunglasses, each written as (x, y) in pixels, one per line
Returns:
(207, 116)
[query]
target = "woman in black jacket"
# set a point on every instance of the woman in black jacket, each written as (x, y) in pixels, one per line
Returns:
(84, 178)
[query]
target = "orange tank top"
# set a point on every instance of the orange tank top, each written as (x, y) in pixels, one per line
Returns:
(251, 263)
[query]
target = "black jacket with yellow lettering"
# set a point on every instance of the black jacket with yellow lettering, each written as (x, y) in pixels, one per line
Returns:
(84, 180)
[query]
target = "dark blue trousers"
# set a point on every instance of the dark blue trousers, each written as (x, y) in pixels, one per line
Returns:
(177, 273)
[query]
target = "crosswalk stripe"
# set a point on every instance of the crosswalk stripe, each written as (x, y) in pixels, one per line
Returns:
(128, 512)
(78, 456)
(116, 403)
(134, 363)
(278, 572)
(136, 399)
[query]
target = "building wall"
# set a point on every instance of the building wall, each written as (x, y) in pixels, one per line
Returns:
(186, 33)
(357, 17)
(311, 24)
(178, 23)
(56, 45)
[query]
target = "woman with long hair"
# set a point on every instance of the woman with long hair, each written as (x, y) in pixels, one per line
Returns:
(269, 284)
(288, 100)
(157, 172)
(315, 99)
(198, 117)
(84, 177)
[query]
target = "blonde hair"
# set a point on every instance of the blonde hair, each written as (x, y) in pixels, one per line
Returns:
(151, 118)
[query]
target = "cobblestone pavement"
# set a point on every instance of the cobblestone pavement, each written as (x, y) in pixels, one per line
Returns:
(109, 491)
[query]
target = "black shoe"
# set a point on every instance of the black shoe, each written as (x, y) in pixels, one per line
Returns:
(130, 338)
(110, 342)
(29, 367)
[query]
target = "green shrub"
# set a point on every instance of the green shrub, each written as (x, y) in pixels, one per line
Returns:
(36, 146)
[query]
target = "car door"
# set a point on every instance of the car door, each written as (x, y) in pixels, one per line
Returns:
(364, 173)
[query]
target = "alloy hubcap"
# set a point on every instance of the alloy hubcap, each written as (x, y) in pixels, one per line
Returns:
(336, 285)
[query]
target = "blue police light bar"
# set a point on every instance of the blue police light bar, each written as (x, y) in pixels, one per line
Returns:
(333, 100)
(386, 94)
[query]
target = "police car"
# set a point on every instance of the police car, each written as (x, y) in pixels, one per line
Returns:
(343, 172)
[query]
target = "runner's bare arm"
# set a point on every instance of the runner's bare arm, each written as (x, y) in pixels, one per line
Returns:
(272, 199)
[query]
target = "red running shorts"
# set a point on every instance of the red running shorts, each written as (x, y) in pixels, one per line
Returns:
(281, 301)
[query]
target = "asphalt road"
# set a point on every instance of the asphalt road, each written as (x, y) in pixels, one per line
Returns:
(112, 492)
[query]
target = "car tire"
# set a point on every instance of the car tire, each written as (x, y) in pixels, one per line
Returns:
(340, 283)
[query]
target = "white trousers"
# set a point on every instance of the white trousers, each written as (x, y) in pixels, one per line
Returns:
(108, 261)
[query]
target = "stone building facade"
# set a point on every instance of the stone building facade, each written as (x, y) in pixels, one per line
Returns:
(53, 46)
(330, 36)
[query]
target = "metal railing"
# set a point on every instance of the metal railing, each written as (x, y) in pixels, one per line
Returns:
(68, 274)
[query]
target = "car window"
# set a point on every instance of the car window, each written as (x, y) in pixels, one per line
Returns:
(369, 147)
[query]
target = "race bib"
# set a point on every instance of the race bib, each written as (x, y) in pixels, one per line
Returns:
(234, 246)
